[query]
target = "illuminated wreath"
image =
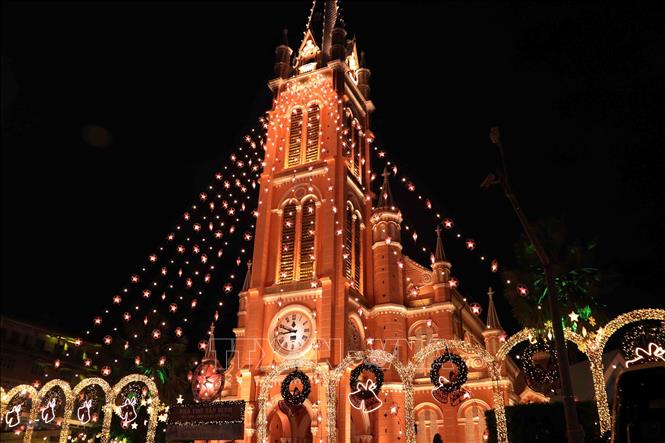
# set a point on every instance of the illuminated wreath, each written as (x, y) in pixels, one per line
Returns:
(297, 398)
(455, 381)
(542, 377)
(370, 367)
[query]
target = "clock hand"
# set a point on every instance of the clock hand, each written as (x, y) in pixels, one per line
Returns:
(290, 330)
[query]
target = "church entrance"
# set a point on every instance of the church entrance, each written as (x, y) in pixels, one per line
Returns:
(289, 425)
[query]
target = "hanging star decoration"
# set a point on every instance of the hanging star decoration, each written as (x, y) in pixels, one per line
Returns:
(573, 316)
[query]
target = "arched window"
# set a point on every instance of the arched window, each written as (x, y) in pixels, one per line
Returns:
(310, 135)
(474, 422)
(348, 242)
(357, 252)
(429, 422)
(313, 117)
(288, 244)
(307, 235)
(295, 137)
(353, 247)
(297, 248)
(353, 143)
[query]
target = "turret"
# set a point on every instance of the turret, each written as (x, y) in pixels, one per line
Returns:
(386, 247)
(283, 57)
(440, 271)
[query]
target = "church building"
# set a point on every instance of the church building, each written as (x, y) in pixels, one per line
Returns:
(329, 276)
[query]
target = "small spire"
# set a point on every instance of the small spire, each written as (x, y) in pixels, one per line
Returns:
(492, 316)
(386, 197)
(211, 353)
(439, 253)
(248, 277)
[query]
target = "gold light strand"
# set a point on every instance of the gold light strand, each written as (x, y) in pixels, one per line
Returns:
(493, 366)
(110, 395)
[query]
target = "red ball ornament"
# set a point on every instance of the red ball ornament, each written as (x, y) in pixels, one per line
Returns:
(207, 380)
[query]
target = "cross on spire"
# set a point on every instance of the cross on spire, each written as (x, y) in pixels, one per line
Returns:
(439, 253)
(386, 197)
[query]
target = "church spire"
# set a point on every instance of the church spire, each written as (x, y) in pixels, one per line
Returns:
(248, 277)
(386, 197)
(439, 253)
(492, 316)
(329, 22)
(211, 353)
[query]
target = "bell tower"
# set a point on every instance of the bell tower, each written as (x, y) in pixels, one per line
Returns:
(311, 250)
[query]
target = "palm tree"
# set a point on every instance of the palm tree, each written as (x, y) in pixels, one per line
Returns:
(577, 280)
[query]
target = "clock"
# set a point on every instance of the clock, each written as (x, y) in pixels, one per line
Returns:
(291, 332)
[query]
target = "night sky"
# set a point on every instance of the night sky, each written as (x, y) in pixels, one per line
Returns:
(115, 115)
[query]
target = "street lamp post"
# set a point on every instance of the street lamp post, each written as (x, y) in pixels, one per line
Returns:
(574, 431)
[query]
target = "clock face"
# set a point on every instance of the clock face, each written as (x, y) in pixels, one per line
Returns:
(292, 332)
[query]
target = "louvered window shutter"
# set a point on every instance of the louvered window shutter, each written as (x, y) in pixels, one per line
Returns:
(295, 138)
(356, 253)
(307, 237)
(348, 243)
(286, 263)
(313, 117)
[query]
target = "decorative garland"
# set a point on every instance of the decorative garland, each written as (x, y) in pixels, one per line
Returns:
(298, 398)
(456, 380)
(541, 379)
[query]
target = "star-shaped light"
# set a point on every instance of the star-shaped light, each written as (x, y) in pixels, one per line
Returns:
(162, 417)
(179, 400)
(135, 425)
(573, 316)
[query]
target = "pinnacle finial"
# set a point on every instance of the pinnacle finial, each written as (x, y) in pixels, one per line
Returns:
(439, 252)
(492, 316)
(386, 197)
(248, 277)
